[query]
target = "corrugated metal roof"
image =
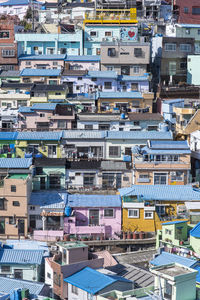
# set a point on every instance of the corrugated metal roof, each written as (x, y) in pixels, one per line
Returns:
(15, 163)
(121, 95)
(102, 74)
(24, 257)
(8, 136)
(167, 258)
(163, 192)
(140, 135)
(77, 200)
(36, 136)
(173, 223)
(172, 101)
(146, 150)
(195, 232)
(48, 200)
(8, 285)
(84, 134)
(133, 78)
(28, 245)
(43, 57)
(87, 280)
(44, 106)
(82, 58)
(40, 72)
(169, 145)
(25, 109)
(15, 2)
(188, 25)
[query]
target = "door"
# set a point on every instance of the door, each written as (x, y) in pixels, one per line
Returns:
(21, 227)
(42, 183)
(52, 153)
(94, 217)
(18, 274)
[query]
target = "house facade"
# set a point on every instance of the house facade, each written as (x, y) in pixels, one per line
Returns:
(41, 61)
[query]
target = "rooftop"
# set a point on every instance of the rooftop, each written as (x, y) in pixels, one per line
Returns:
(174, 222)
(167, 258)
(77, 200)
(83, 165)
(43, 135)
(20, 256)
(40, 72)
(71, 245)
(145, 117)
(120, 95)
(162, 192)
(195, 232)
(87, 280)
(83, 58)
(102, 74)
(49, 162)
(48, 87)
(174, 270)
(17, 163)
(48, 200)
(84, 134)
(43, 57)
(140, 135)
(9, 136)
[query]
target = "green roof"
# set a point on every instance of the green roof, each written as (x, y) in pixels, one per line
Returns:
(18, 176)
(68, 245)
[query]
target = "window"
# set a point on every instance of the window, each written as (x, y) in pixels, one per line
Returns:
(167, 231)
(28, 63)
(134, 86)
(57, 279)
(5, 269)
(2, 204)
(109, 213)
(93, 33)
(94, 217)
(61, 124)
(48, 275)
(114, 151)
(125, 70)
(136, 123)
(183, 65)
(13, 188)
(54, 181)
(2, 225)
(107, 85)
(98, 51)
(4, 34)
(144, 176)
(133, 213)
(148, 215)
(42, 115)
(111, 52)
(196, 10)
(88, 179)
(172, 68)
(32, 207)
(170, 47)
(94, 79)
(185, 47)
(16, 203)
(160, 178)
(74, 290)
(187, 31)
(138, 52)
(110, 68)
(198, 31)
(136, 69)
(8, 53)
(186, 10)
(88, 127)
(177, 176)
(80, 78)
(108, 33)
(55, 63)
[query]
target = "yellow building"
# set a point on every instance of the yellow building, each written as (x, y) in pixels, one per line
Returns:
(145, 208)
(43, 93)
(45, 144)
(45, 76)
(184, 123)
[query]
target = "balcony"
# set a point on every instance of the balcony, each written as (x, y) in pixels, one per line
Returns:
(72, 229)
(14, 96)
(47, 235)
(39, 99)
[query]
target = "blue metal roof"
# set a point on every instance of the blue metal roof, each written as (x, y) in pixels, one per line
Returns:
(15, 2)
(6, 136)
(24, 257)
(77, 200)
(166, 258)
(43, 135)
(83, 58)
(197, 268)
(163, 192)
(169, 145)
(25, 109)
(48, 200)
(189, 25)
(15, 163)
(43, 57)
(92, 281)
(133, 78)
(140, 135)
(195, 232)
(120, 95)
(173, 101)
(8, 285)
(28, 245)
(146, 150)
(102, 74)
(175, 222)
(84, 134)
(40, 72)
(44, 106)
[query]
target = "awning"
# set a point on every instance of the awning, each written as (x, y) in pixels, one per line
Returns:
(52, 214)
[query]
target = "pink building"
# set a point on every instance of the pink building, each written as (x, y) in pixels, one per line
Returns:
(53, 61)
(93, 215)
(46, 116)
(82, 62)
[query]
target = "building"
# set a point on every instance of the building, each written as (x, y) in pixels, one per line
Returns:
(8, 118)
(175, 281)
(186, 121)
(192, 67)
(96, 216)
(46, 116)
(174, 59)
(17, 8)
(41, 61)
(14, 95)
(162, 162)
(166, 108)
(194, 238)
(187, 30)
(82, 284)
(43, 93)
(82, 62)
(16, 186)
(49, 174)
(187, 12)
(47, 76)
(146, 207)
(7, 144)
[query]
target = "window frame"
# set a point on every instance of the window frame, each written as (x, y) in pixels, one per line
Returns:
(108, 209)
(112, 150)
(148, 212)
(13, 188)
(168, 45)
(135, 210)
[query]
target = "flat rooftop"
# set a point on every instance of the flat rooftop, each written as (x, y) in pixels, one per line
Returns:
(174, 270)
(70, 245)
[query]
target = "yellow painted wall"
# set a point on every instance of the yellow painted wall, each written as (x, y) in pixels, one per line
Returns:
(42, 149)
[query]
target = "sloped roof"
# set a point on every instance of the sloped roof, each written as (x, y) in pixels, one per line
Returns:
(40, 72)
(103, 74)
(48, 200)
(44, 106)
(16, 256)
(82, 58)
(84, 134)
(163, 192)
(8, 135)
(15, 163)
(141, 135)
(120, 95)
(43, 57)
(167, 258)
(43, 135)
(77, 200)
(145, 117)
(174, 222)
(195, 232)
(92, 281)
